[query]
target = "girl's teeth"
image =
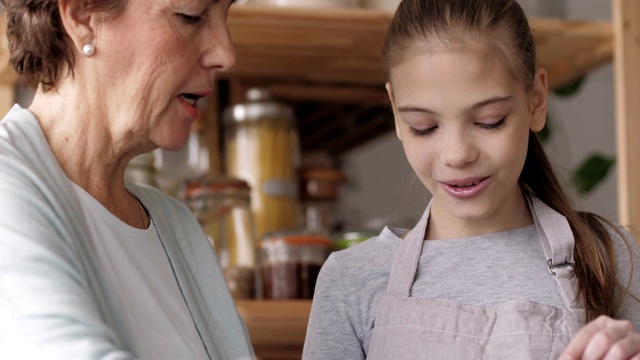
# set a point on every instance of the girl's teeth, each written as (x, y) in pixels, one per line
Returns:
(467, 185)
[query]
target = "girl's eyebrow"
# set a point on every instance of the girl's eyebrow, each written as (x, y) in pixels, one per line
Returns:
(490, 101)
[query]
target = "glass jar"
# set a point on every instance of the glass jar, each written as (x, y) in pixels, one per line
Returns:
(290, 264)
(222, 206)
(262, 147)
(319, 189)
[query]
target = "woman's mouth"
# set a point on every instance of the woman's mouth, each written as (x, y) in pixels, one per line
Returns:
(190, 103)
(466, 188)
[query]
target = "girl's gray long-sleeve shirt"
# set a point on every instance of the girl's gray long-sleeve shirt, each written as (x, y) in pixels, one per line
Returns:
(483, 271)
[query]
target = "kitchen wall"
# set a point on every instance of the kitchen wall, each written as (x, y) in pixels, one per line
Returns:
(383, 188)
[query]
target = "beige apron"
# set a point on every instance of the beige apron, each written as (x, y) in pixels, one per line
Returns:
(422, 328)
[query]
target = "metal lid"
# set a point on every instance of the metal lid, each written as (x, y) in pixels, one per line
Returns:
(213, 185)
(300, 240)
(259, 106)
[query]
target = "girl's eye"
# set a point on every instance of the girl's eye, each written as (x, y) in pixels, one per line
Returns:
(424, 132)
(494, 126)
(190, 19)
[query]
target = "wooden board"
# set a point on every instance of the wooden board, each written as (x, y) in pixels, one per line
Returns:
(277, 328)
(627, 81)
(8, 77)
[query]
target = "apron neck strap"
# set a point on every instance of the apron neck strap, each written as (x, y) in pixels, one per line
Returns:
(554, 233)
(558, 243)
(405, 262)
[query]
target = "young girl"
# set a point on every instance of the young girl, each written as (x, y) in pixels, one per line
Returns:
(500, 266)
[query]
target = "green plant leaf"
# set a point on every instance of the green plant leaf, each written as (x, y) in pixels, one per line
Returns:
(592, 171)
(570, 88)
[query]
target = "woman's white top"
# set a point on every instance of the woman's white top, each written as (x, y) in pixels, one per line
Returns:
(138, 269)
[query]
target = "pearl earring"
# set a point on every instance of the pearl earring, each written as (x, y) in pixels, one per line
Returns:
(88, 49)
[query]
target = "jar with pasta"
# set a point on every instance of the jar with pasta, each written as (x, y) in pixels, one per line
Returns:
(221, 205)
(262, 147)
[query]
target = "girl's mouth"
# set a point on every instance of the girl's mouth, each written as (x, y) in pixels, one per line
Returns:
(466, 188)
(467, 185)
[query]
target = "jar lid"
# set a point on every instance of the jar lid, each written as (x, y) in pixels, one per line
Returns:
(259, 106)
(211, 185)
(351, 238)
(320, 183)
(323, 174)
(296, 239)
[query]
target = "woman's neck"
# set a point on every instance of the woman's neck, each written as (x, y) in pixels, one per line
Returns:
(82, 140)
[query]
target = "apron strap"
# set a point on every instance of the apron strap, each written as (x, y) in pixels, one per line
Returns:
(406, 259)
(554, 233)
(558, 243)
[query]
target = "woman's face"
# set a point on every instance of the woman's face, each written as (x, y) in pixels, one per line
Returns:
(156, 61)
(464, 124)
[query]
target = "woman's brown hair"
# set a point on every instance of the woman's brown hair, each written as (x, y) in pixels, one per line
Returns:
(502, 26)
(40, 48)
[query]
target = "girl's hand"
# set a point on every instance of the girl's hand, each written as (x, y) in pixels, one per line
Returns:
(604, 338)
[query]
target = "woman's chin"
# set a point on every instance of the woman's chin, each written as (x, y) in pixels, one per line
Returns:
(174, 142)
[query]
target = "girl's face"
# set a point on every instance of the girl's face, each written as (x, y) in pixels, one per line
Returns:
(156, 60)
(464, 124)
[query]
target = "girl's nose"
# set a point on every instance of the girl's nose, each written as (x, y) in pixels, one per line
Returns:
(458, 150)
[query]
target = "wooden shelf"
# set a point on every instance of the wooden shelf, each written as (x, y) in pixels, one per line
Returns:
(326, 63)
(344, 45)
(277, 327)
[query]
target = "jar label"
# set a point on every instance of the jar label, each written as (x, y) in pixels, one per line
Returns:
(278, 187)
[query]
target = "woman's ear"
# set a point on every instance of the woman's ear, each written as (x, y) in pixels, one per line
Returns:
(76, 19)
(393, 107)
(538, 100)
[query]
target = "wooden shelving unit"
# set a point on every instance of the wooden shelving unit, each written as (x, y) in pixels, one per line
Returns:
(7, 75)
(626, 19)
(326, 64)
(343, 46)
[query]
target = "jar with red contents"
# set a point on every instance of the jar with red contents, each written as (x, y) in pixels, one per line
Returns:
(290, 263)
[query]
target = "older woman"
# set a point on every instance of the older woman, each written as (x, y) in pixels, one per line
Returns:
(92, 267)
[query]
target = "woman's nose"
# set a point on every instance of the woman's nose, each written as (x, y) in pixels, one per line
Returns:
(219, 54)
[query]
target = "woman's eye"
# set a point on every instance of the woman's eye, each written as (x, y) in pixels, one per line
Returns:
(424, 132)
(190, 19)
(495, 125)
